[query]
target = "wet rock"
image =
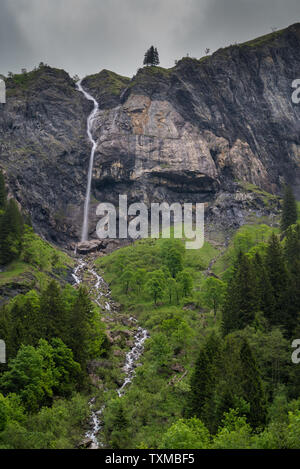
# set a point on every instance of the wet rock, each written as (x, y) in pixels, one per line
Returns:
(127, 322)
(86, 443)
(110, 338)
(87, 247)
(96, 381)
(117, 339)
(177, 368)
(127, 333)
(94, 365)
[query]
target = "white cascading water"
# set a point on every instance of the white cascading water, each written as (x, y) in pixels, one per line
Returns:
(132, 357)
(85, 226)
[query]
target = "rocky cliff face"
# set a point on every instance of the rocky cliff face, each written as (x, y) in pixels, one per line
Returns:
(43, 149)
(204, 131)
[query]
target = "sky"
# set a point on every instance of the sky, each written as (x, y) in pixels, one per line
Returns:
(86, 36)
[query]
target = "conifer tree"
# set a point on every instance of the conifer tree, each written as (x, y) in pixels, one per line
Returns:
(151, 57)
(292, 246)
(53, 310)
(6, 330)
(81, 319)
(118, 426)
(252, 387)
(292, 256)
(2, 192)
(11, 229)
(156, 57)
(198, 394)
(203, 380)
(241, 301)
(264, 288)
(278, 277)
(289, 209)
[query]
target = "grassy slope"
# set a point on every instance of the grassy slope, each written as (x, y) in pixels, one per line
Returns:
(42, 263)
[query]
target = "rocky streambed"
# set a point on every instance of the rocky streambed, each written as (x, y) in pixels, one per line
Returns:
(85, 273)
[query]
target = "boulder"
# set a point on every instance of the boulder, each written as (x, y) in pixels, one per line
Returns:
(177, 368)
(127, 333)
(87, 247)
(86, 443)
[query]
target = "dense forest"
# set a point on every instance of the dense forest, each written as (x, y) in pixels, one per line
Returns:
(217, 370)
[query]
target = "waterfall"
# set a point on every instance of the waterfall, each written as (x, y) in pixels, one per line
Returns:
(85, 226)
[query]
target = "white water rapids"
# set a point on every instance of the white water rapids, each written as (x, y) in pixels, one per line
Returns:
(85, 226)
(132, 357)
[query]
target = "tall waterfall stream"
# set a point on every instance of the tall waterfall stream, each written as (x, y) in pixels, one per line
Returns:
(141, 335)
(90, 121)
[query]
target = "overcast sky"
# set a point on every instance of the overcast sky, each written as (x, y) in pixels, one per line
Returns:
(85, 36)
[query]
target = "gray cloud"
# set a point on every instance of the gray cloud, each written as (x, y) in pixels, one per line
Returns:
(13, 44)
(85, 36)
(224, 22)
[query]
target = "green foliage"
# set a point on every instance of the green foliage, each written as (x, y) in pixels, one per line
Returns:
(127, 279)
(234, 433)
(11, 230)
(147, 256)
(289, 209)
(39, 253)
(186, 434)
(250, 239)
(151, 57)
(107, 83)
(53, 310)
(292, 246)
(156, 284)
(177, 331)
(184, 281)
(278, 276)
(88, 339)
(66, 314)
(241, 301)
(161, 350)
(226, 376)
(58, 427)
(194, 388)
(252, 387)
(213, 293)
(172, 253)
(203, 380)
(272, 352)
(36, 374)
(116, 423)
(3, 194)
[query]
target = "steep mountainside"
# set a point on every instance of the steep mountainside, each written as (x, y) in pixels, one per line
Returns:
(205, 130)
(44, 151)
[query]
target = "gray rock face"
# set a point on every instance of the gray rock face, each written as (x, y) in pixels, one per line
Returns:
(44, 151)
(194, 133)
